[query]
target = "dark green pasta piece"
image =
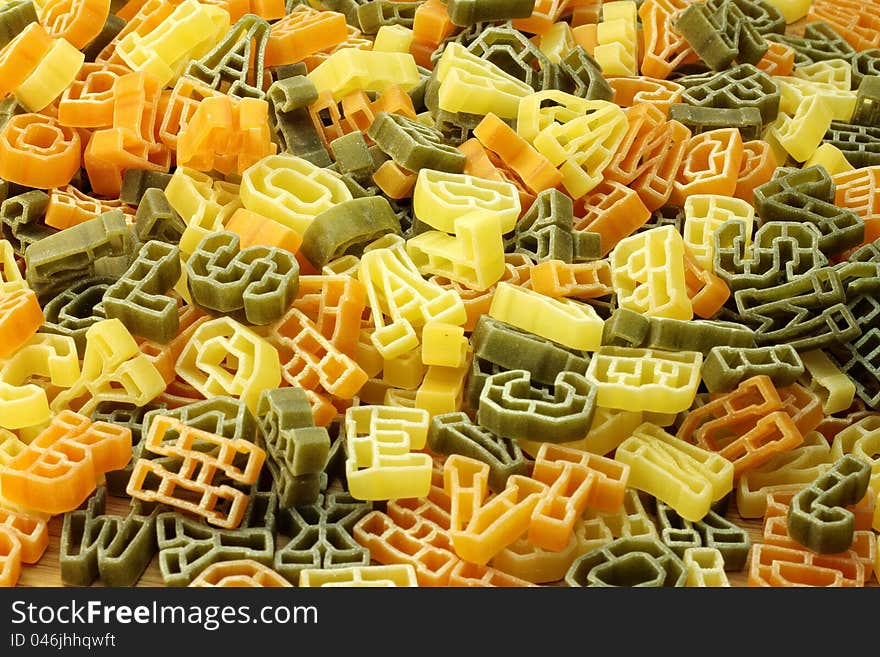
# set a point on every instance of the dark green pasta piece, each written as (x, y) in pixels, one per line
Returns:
(550, 208)
(712, 531)
(732, 541)
(817, 518)
(737, 88)
(352, 156)
(724, 368)
(869, 252)
(132, 546)
(480, 370)
(348, 8)
(14, 17)
(113, 25)
(579, 74)
(860, 360)
(379, 157)
(187, 546)
(779, 252)
(103, 246)
(512, 52)
(807, 196)
(255, 285)
(296, 450)
(114, 549)
(763, 16)
(73, 310)
(676, 533)
(468, 12)
(587, 246)
(867, 111)
(703, 119)
(865, 63)
(284, 71)
(321, 536)
(295, 133)
(859, 278)
(628, 328)
(373, 15)
(455, 127)
(155, 219)
(417, 92)
(83, 532)
(819, 43)
(21, 219)
(860, 143)
(356, 188)
(809, 312)
(546, 230)
(721, 35)
(668, 215)
(9, 107)
(139, 298)
(455, 433)
(136, 182)
(628, 562)
(347, 228)
(413, 145)
(512, 348)
(235, 65)
(511, 406)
